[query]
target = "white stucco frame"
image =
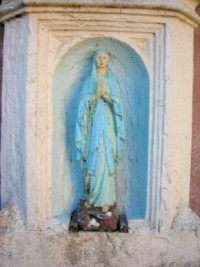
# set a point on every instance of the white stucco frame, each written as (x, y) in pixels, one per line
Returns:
(56, 38)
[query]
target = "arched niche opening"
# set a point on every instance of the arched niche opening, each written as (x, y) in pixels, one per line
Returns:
(132, 76)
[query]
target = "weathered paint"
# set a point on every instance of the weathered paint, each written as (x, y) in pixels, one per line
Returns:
(1, 59)
(13, 114)
(133, 81)
(195, 168)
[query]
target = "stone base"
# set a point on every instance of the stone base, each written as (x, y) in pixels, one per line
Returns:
(52, 245)
(94, 219)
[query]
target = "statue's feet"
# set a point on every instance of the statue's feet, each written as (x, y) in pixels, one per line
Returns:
(105, 208)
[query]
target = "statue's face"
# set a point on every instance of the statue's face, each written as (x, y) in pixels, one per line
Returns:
(102, 60)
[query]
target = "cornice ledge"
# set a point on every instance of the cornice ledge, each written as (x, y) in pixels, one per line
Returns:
(9, 8)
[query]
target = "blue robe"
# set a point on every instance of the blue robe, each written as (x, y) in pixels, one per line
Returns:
(99, 139)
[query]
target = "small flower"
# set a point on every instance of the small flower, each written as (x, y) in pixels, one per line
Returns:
(93, 222)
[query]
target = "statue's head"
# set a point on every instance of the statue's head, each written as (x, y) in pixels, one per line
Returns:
(101, 59)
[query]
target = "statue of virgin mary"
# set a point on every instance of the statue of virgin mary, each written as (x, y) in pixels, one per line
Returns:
(100, 134)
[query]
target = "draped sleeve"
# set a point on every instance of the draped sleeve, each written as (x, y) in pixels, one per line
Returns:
(85, 100)
(118, 115)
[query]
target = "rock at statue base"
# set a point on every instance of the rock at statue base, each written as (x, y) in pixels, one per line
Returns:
(94, 219)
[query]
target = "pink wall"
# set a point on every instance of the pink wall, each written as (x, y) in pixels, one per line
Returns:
(1, 57)
(195, 168)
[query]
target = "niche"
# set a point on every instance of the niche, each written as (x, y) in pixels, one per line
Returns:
(133, 79)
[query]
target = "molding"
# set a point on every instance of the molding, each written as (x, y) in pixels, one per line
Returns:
(177, 8)
(58, 35)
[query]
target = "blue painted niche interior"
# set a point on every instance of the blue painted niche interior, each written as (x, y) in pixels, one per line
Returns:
(132, 76)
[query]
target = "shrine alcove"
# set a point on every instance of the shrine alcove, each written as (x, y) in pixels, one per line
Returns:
(132, 76)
